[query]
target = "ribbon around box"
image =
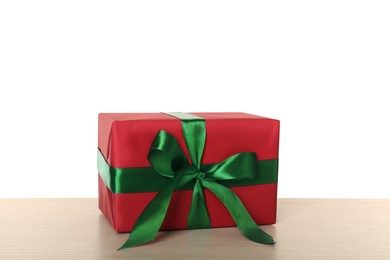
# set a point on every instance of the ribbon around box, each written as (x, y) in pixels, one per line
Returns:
(169, 161)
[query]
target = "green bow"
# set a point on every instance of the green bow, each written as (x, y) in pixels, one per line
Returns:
(169, 160)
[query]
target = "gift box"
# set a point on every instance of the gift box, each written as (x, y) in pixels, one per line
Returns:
(190, 160)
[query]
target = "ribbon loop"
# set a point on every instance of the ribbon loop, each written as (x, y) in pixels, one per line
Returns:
(237, 167)
(165, 154)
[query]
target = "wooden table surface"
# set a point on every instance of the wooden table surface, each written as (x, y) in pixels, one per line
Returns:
(306, 229)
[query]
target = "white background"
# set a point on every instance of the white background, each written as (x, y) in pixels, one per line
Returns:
(321, 67)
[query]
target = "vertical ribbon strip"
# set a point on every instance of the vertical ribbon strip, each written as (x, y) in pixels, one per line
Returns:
(168, 160)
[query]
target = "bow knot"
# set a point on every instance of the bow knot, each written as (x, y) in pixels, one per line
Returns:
(201, 175)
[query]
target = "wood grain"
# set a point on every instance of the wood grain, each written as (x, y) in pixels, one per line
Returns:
(306, 229)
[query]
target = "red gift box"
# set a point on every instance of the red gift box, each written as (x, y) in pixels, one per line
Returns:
(124, 141)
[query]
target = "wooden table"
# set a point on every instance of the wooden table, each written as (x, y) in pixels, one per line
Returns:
(306, 229)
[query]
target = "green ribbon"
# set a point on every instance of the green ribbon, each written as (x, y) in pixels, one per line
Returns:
(145, 179)
(168, 159)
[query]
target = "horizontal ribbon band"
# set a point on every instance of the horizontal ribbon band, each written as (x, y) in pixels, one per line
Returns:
(145, 179)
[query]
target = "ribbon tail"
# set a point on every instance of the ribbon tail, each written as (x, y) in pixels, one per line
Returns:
(149, 222)
(244, 221)
(198, 216)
